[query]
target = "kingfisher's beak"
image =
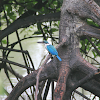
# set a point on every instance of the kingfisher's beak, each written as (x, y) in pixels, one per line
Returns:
(40, 42)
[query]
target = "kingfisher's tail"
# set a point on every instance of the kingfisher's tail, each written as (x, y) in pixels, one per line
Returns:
(59, 58)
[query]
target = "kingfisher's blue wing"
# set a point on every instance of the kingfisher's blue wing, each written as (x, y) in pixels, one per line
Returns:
(52, 49)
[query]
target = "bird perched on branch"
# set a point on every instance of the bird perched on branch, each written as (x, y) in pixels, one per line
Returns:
(51, 49)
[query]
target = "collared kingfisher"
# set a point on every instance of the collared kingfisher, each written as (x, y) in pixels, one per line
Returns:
(50, 48)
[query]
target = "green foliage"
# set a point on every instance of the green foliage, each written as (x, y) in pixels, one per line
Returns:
(90, 47)
(85, 45)
(92, 23)
(4, 41)
(14, 9)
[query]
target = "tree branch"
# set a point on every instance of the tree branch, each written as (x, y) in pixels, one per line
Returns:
(81, 95)
(25, 22)
(87, 30)
(94, 9)
(14, 72)
(49, 71)
(94, 46)
(97, 1)
(14, 63)
(38, 74)
(83, 9)
(61, 83)
(85, 68)
(84, 80)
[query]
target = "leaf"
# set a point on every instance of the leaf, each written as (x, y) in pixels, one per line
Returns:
(20, 10)
(37, 33)
(4, 41)
(53, 29)
(94, 53)
(91, 22)
(9, 8)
